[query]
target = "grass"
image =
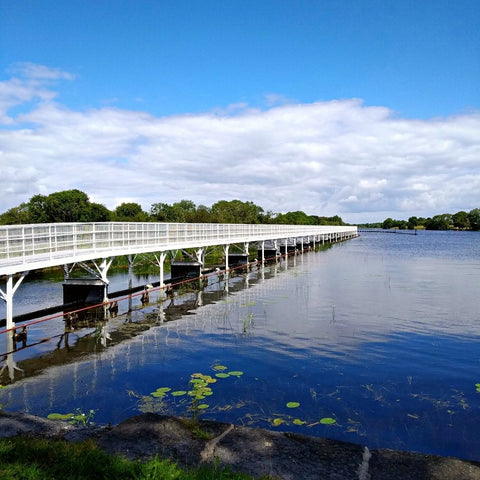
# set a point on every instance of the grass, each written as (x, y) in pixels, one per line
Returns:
(34, 459)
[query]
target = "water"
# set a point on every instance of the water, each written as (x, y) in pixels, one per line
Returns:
(379, 333)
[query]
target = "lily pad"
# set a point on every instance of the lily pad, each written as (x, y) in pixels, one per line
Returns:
(219, 368)
(297, 421)
(235, 374)
(60, 416)
(202, 406)
(222, 375)
(179, 393)
(158, 394)
(278, 421)
(293, 404)
(163, 389)
(327, 421)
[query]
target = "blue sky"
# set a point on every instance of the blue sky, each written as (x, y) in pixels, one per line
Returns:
(370, 107)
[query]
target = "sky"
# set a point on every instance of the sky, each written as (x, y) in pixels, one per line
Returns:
(366, 109)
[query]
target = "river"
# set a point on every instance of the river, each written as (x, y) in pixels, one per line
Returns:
(372, 341)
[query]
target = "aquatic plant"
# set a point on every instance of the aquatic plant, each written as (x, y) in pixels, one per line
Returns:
(200, 389)
(193, 398)
(79, 418)
(248, 322)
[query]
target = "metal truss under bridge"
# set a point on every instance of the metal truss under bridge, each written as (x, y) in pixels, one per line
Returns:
(31, 247)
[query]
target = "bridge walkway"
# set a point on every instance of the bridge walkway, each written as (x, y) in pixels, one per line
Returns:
(37, 246)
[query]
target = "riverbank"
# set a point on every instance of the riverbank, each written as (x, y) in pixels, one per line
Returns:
(258, 452)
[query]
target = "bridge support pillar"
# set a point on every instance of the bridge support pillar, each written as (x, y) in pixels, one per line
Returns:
(160, 261)
(103, 270)
(225, 249)
(200, 253)
(7, 296)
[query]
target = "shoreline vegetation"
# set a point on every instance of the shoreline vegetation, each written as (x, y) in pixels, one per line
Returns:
(461, 220)
(75, 206)
(152, 446)
(44, 458)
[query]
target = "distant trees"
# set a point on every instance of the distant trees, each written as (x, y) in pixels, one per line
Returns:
(439, 222)
(64, 206)
(130, 212)
(182, 212)
(474, 219)
(461, 220)
(75, 206)
(236, 211)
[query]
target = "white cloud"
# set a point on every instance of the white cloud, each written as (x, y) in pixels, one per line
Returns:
(337, 157)
(39, 72)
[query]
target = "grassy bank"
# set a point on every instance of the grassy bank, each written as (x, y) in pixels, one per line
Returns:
(35, 459)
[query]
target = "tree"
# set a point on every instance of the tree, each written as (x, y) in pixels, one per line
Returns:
(460, 220)
(236, 211)
(439, 222)
(412, 222)
(16, 215)
(67, 206)
(388, 223)
(296, 218)
(99, 213)
(37, 209)
(183, 211)
(130, 212)
(202, 215)
(162, 212)
(335, 220)
(474, 219)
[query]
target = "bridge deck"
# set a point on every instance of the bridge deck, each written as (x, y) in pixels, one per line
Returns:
(32, 247)
(28, 247)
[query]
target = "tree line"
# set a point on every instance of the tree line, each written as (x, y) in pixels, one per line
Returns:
(446, 221)
(75, 206)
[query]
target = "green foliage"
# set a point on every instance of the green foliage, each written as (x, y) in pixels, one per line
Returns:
(99, 213)
(78, 418)
(74, 206)
(130, 212)
(391, 223)
(474, 219)
(16, 215)
(68, 206)
(64, 206)
(295, 218)
(41, 459)
(445, 221)
(236, 211)
(439, 222)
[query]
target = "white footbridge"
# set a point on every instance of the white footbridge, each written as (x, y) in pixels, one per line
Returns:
(31, 247)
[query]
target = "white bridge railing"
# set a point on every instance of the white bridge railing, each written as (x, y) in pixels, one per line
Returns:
(27, 247)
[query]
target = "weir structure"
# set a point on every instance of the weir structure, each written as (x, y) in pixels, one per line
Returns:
(31, 247)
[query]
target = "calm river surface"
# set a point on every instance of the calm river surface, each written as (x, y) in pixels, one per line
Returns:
(373, 341)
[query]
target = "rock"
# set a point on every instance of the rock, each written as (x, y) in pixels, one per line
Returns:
(285, 456)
